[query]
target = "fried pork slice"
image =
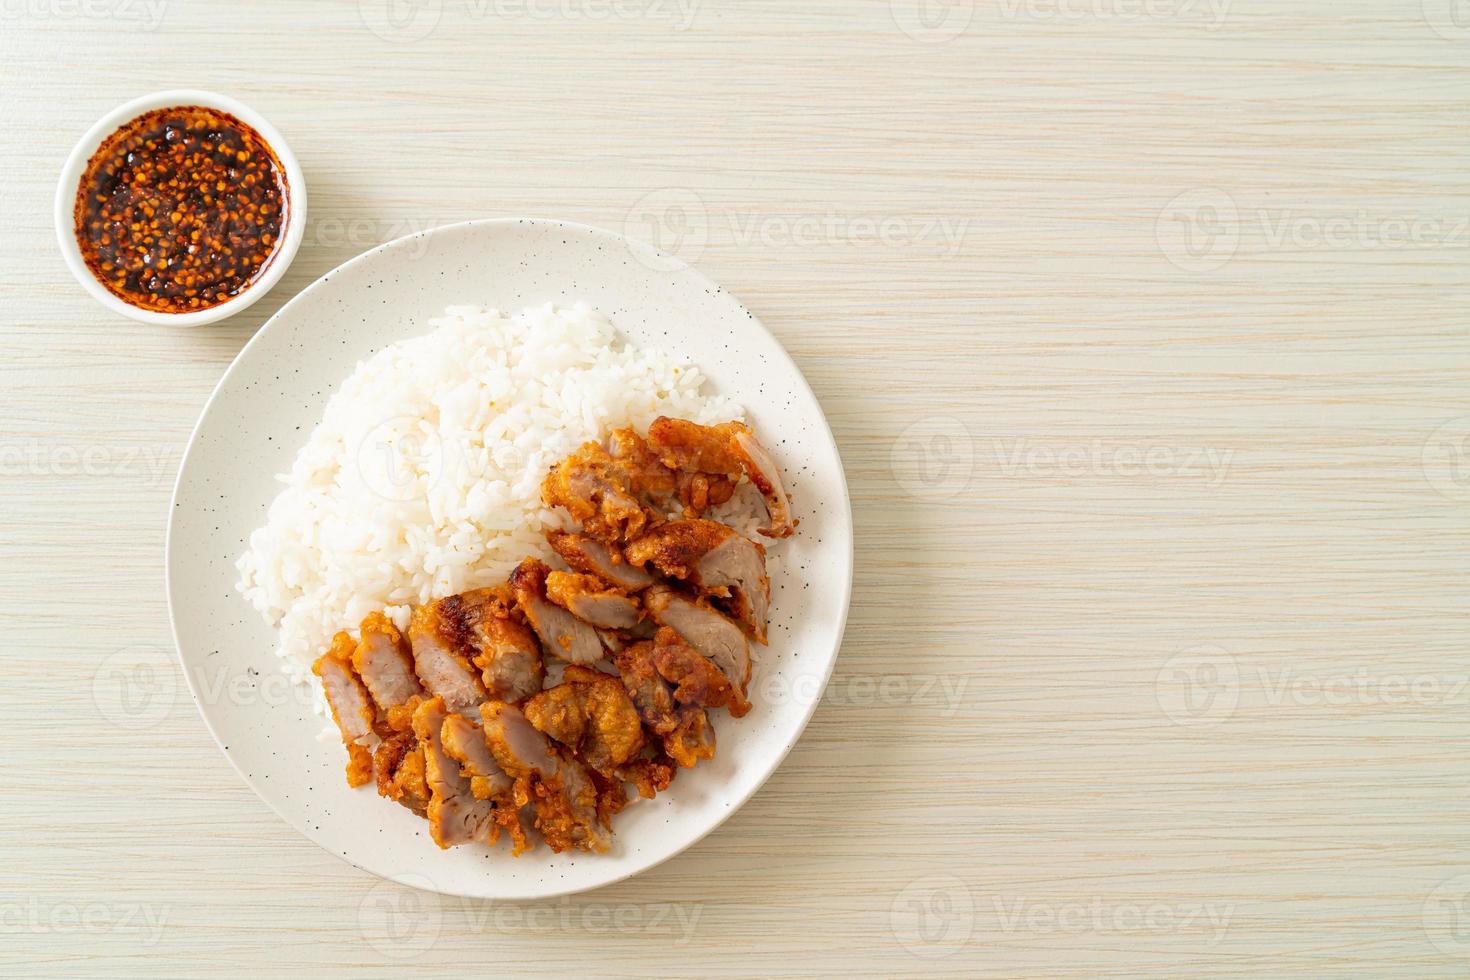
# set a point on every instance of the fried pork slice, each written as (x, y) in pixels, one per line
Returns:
(693, 739)
(465, 742)
(437, 633)
(708, 631)
(559, 787)
(683, 729)
(496, 638)
(724, 451)
(517, 747)
(715, 560)
(591, 601)
(647, 474)
(596, 489)
(351, 708)
(651, 776)
(455, 815)
(561, 633)
(400, 764)
(569, 812)
(596, 558)
(383, 661)
(591, 714)
(649, 691)
(698, 682)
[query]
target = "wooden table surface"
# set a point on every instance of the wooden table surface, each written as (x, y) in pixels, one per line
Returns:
(1142, 328)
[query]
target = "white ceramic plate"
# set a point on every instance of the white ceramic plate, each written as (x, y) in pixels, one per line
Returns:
(273, 394)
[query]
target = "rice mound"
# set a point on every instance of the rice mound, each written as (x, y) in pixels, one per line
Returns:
(423, 477)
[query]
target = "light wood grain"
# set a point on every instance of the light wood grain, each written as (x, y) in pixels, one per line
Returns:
(1098, 479)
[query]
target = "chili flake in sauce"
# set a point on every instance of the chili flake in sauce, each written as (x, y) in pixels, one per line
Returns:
(181, 209)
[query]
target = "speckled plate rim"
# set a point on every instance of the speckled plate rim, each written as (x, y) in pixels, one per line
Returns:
(672, 263)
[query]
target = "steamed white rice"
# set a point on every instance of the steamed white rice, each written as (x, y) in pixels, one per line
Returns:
(423, 477)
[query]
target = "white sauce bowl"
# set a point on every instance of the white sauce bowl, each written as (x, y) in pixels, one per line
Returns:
(76, 164)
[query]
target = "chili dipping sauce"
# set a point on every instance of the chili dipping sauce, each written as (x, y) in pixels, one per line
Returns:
(181, 209)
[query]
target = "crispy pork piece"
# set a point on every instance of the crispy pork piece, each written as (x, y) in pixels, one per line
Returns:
(589, 599)
(440, 657)
(698, 489)
(725, 452)
(383, 661)
(455, 815)
(646, 472)
(596, 489)
(596, 558)
(351, 707)
(561, 633)
(511, 664)
(683, 729)
(715, 560)
(698, 682)
(693, 739)
(568, 809)
(651, 776)
(518, 748)
(400, 764)
(500, 643)
(591, 714)
(711, 633)
(465, 742)
(649, 691)
(558, 786)
(483, 627)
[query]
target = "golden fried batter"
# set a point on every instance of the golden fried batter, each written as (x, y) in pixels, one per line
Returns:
(699, 682)
(589, 712)
(400, 764)
(722, 453)
(591, 600)
(647, 474)
(352, 709)
(693, 739)
(597, 490)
